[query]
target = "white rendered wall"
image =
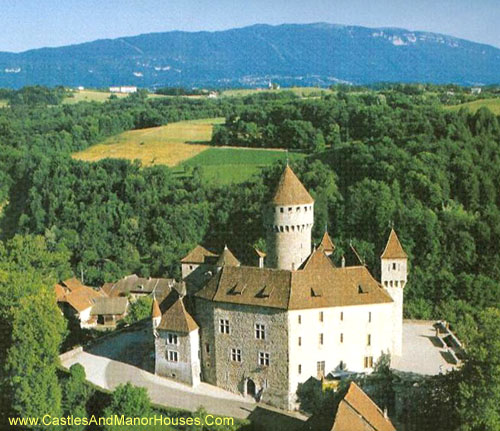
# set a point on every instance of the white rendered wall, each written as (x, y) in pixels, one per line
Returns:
(289, 235)
(355, 327)
(194, 340)
(394, 276)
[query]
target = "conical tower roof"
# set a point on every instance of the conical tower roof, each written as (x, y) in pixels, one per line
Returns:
(290, 190)
(155, 309)
(393, 248)
(227, 258)
(327, 243)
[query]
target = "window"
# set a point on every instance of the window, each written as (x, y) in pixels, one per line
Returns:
(236, 355)
(300, 341)
(320, 369)
(172, 339)
(300, 369)
(369, 340)
(172, 356)
(341, 338)
(282, 209)
(396, 283)
(305, 208)
(300, 319)
(224, 326)
(264, 359)
(369, 316)
(368, 361)
(289, 209)
(260, 331)
(190, 266)
(321, 316)
(207, 348)
(394, 266)
(341, 315)
(298, 209)
(386, 283)
(321, 339)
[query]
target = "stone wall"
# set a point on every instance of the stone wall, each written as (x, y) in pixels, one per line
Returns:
(187, 368)
(271, 381)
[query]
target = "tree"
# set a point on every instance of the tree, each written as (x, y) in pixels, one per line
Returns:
(139, 310)
(75, 394)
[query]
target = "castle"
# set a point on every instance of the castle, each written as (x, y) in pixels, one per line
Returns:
(261, 331)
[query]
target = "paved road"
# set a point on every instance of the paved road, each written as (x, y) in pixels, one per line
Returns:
(105, 370)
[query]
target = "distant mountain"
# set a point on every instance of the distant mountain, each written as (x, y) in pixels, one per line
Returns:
(288, 54)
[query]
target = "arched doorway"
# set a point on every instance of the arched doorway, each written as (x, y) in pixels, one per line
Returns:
(251, 388)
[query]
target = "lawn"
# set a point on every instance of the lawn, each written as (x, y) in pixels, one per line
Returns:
(492, 104)
(224, 166)
(166, 145)
(3, 103)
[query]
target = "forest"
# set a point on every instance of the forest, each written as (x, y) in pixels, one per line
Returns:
(393, 156)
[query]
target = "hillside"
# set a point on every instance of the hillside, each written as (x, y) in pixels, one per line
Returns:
(309, 54)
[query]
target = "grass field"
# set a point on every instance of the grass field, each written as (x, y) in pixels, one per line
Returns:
(492, 104)
(166, 145)
(299, 91)
(95, 96)
(3, 103)
(183, 145)
(234, 165)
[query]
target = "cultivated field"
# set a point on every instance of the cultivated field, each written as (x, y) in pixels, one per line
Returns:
(299, 91)
(166, 145)
(221, 165)
(184, 145)
(95, 96)
(492, 104)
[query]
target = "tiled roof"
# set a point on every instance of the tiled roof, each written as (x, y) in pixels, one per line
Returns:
(60, 292)
(290, 190)
(83, 298)
(319, 284)
(175, 317)
(110, 306)
(327, 243)
(73, 284)
(198, 255)
(134, 284)
(355, 412)
(227, 258)
(155, 309)
(393, 248)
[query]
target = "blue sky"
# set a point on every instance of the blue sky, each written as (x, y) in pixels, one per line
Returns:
(26, 24)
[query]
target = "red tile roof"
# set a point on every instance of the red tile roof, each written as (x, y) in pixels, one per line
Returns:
(197, 255)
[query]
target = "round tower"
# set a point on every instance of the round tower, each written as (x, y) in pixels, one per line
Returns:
(289, 222)
(394, 270)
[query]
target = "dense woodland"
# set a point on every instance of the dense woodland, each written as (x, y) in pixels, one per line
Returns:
(376, 159)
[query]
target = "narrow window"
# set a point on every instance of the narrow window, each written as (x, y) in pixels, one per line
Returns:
(320, 369)
(172, 356)
(236, 355)
(386, 283)
(341, 338)
(341, 315)
(282, 209)
(369, 340)
(207, 348)
(369, 316)
(320, 316)
(300, 341)
(298, 209)
(394, 266)
(264, 359)
(172, 339)
(289, 209)
(321, 339)
(305, 208)
(396, 283)
(368, 361)
(300, 319)
(260, 331)
(224, 326)
(300, 369)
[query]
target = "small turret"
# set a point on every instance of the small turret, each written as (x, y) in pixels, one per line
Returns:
(155, 313)
(227, 258)
(327, 244)
(394, 270)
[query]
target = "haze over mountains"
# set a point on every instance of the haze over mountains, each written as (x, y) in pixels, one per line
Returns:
(289, 54)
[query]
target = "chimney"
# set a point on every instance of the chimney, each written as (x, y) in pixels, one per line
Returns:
(343, 262)
(385, 413)
(261, 262)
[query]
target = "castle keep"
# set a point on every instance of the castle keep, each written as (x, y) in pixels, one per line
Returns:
(261, 331)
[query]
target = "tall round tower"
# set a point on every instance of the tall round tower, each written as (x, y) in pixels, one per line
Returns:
(289, 222)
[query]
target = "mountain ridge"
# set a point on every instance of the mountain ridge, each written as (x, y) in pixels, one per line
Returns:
(290, 54)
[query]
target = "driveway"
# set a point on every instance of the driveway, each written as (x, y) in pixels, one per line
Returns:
(135, 349)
